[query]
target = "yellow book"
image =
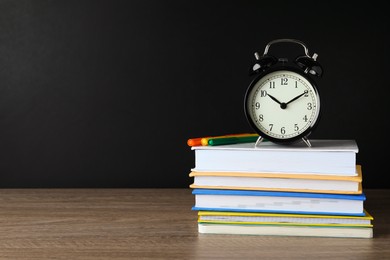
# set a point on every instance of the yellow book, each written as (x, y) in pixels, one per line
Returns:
(291, 182)
(249, 218)
(275, 224)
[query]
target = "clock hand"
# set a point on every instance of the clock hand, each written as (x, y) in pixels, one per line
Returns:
(282, 104)
(296, 97)
(274, 99)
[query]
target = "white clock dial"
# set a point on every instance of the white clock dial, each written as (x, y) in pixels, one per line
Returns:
(283, 105)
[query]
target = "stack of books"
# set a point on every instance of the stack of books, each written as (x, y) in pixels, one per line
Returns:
(271, 189)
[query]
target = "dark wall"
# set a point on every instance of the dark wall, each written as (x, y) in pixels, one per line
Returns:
(106, 93)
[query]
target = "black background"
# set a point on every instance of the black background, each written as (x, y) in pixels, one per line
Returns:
(106, 93)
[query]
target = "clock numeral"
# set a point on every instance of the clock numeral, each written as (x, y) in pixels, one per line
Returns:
(309, 106)
(296, 84)
(261, 118)
(263, 93)
(272, 84)
(306, 93)
(283, 130)
(283, 81)
(257, 105)
(305, 118)
(296, 128)
(271, 126)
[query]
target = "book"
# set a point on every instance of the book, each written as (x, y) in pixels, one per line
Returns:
(284, 230)
(279, 202)
(324, 157)
(279, 182)
(250, 218)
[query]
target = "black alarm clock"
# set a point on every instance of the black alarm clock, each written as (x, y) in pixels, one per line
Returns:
(282, 103)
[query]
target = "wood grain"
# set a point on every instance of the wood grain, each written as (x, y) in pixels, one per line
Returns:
(155, 224)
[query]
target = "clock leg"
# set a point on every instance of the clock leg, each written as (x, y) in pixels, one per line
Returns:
(259, 140)
(307, 142)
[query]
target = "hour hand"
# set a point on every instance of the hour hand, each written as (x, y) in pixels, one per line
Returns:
(274, 99)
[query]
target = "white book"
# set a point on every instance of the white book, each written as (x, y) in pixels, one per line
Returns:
(325, 157)
(279, 230)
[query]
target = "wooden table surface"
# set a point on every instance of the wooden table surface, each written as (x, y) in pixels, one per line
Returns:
(155, 224)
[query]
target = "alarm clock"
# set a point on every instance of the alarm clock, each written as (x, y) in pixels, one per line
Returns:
(282, 103)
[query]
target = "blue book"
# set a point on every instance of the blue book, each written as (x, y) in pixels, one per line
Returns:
(279, 202)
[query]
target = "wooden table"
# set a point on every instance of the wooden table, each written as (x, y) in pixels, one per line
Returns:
(155, 224)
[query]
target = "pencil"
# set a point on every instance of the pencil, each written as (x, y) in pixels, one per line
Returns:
(198, 141)
(232, 140)
(205, 141)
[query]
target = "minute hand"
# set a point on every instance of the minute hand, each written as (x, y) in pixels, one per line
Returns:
(296, 98)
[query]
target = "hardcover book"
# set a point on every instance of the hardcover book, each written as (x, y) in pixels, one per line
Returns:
(251, 218)
(279, 202)
(325, 157)
(279, 182)
(285, 230)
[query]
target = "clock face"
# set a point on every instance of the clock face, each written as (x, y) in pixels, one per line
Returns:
(282, 105)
